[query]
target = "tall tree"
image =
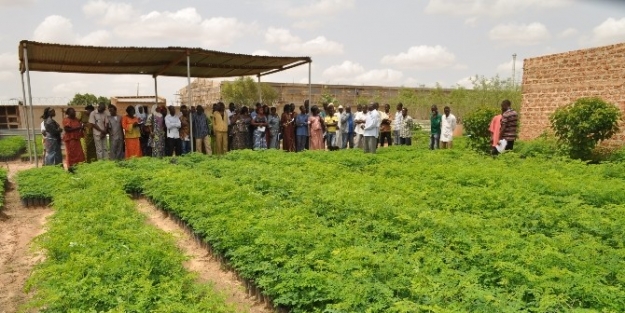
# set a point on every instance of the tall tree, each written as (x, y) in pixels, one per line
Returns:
(244, 91)
(87, 98)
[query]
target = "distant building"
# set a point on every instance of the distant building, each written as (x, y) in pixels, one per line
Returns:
(206, 91)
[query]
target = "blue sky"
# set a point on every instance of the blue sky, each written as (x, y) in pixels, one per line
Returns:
(356, 42)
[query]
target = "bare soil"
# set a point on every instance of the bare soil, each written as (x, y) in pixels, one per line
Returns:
(18, 226)
(200, 261)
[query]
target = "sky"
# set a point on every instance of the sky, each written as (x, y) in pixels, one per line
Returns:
(354, 42)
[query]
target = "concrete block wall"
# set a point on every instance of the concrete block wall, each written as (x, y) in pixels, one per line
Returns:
(556, 80)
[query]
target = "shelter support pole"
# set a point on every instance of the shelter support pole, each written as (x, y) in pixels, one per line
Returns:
(260, 91)
(30, 102)
(25, 116)
(309, 84)
(155, 92)
(190, 117)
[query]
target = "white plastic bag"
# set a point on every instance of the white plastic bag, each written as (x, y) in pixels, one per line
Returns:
(501, 147)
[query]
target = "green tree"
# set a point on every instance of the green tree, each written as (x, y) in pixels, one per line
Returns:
(244, 91)
(476, 126)
(87, 98)
(581, 125)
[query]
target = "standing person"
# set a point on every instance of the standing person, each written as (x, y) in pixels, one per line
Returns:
(220, 127)
(287, 123)
(397, 123)
(260, 124)
(495, 132)
(90, 151)
(307, 111)
(274, 128)
(385, 126)
(301, 130)
(240, 128)
(132, 133)
(71, 137)
(448, 125)
(359, 120)
(338, 139)
(53, 138)
(173, 124)
(435, 128)
(116, 135)
(229, 114)
(316, 129)
(43, 137)
(405, 129)
(185, 131)
(509, 120)
(201, 131)
(156, 127)
(347, 128)
(142, 115)
(99, 121)
(371, 131)
(331, 122)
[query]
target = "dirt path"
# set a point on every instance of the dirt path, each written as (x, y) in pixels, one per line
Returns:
(200, 261)
(18, 226)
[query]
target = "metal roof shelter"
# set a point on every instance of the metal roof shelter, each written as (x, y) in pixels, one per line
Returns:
(165, 61)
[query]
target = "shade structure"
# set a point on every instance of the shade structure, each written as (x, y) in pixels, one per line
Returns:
(166, 61)
(154, 61)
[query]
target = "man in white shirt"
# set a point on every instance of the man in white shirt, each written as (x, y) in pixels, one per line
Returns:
(397, 124)
(116, 135)
(99, 122)
(229, 113)
(173, 124)
(359, 119)
(376, 115)
(371, 131)
(448, 125)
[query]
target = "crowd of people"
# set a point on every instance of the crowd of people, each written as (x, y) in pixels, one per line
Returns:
(100, 133)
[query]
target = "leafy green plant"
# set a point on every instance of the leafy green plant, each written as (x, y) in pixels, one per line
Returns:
(12, 146)
(546, 145)
(580, 126)
(244, 91)
(476, 126)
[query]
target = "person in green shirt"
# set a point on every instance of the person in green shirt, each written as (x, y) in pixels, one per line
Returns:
(435, 128)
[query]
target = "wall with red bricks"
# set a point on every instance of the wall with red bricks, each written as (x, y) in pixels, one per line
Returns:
(556, 80)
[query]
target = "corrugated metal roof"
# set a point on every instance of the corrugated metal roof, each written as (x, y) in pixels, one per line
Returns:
(170, 61)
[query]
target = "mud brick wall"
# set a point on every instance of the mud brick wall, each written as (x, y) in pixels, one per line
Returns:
(556, 80)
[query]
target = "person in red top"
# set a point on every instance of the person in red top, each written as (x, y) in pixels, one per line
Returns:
(495, 130)
(73, 133)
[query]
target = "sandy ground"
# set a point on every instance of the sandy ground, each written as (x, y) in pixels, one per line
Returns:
(208, 269)
(18, 227)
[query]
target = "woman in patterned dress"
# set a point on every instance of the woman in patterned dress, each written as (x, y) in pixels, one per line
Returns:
(156, 124)
(240, 129)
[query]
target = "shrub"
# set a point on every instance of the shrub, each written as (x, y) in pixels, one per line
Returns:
(476, 127)
(580, 126)
(544, 146)
(12, 146)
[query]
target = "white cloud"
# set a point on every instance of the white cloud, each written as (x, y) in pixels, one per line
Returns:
(471, 21)
(280, 36)
(321, 7)
(569, 32)
(520, 34)
(294, 44)
(16, 3)
(110, 13)
(7, 75)
(609, 32)
(349, 72)
(307, 24)
(506, 68)
(59, 29)
(262, 52)
(411, 82)
(97, 38)
(466, 82)
(71, 87)
(56, 29)
(421, 57)
(489, 7)
(9, 61)
(343, 72)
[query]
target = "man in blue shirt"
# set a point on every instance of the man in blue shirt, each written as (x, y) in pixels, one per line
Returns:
(347, 128)
(301, 129)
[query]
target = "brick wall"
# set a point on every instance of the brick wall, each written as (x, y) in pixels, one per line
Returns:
(556, 80)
